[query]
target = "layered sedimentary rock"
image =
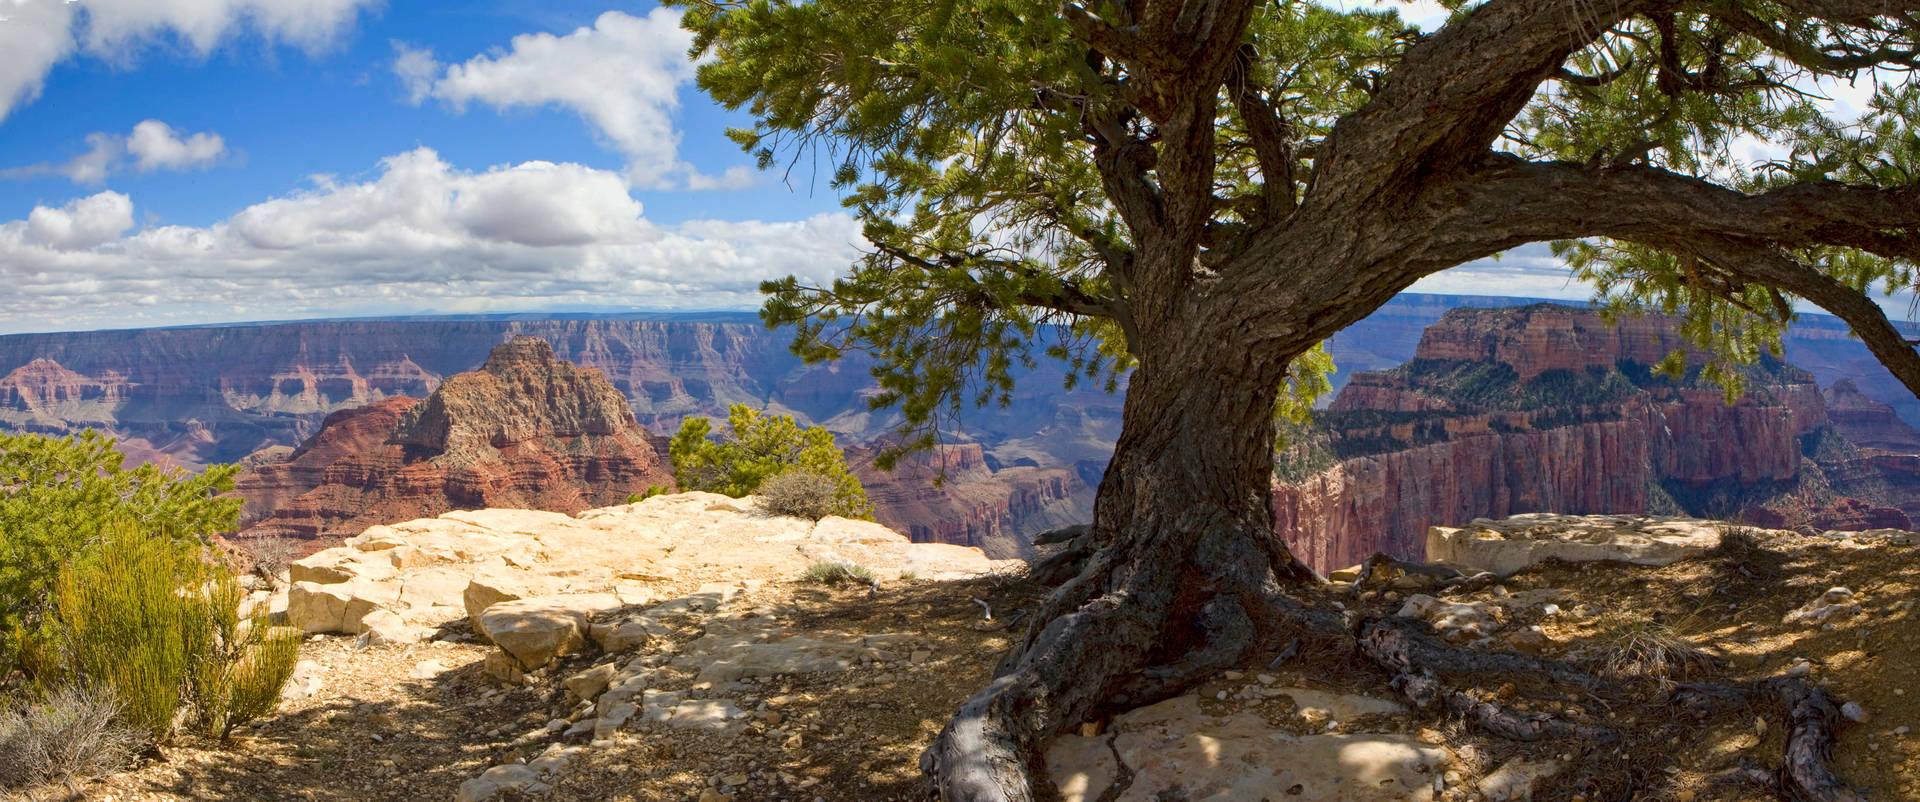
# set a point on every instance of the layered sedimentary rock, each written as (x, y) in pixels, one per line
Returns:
(526, 430)
(1546, 408)
(1868, 423)
(950, 495)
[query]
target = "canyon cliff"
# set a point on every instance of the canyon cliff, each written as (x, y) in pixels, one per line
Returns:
(526, 430)
(1550, 408)
(251, 393)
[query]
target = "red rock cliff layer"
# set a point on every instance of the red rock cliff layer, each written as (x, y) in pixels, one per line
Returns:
(950, 495)
(1496, 463)
(527, 430)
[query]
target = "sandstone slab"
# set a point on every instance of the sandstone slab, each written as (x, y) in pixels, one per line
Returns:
(430, 571)
(1515, 543)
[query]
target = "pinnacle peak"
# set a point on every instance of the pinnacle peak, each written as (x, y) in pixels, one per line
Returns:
(521, 350)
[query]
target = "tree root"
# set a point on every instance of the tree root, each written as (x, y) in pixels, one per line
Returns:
(1813, 717)
(1413, 658)
(1100, 644)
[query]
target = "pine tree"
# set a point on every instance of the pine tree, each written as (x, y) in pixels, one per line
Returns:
(1195, 193)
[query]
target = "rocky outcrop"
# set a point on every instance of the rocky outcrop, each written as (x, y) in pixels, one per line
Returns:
(951, 495)
(1543, 337)
(542, 584)
(527, 430)
(1868, 423)
(1545, 407)
(1513, 544)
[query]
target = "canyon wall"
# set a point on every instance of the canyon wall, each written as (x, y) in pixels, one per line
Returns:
(1546, 408)
(196, 396)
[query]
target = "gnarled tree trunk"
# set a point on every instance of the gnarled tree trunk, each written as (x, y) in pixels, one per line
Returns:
(1184, 582)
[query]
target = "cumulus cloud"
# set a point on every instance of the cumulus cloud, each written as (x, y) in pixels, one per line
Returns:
(82, 223)
(420, 237)
(152, 145)
(38, 34)
(622, 76)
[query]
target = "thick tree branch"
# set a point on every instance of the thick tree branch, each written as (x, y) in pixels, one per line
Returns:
(1453, 93)
(1514, 201)
(1768, 265)
(1271, 137)
(1807, 54)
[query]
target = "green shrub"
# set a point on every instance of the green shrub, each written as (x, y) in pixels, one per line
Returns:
(836, 574)
(652, 490)
(71, 732)
(803, 494)
(57, 496)
(758, 447)
(156, 621)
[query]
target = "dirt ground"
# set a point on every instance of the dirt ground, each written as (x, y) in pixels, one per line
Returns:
(376, 732)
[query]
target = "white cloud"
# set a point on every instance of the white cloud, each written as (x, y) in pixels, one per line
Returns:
(622, 76)
(416, 68)
(38, 34)
(420, 237)
(82, 223)
(152, 145)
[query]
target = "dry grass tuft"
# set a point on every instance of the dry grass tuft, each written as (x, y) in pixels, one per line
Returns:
(70, 734)
(1645, 648)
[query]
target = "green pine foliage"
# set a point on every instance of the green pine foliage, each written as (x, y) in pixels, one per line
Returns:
(59, 496)
(757, 447)
(107, 583)
(966, 136)
(948, 126)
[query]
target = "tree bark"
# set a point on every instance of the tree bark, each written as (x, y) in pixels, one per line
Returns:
(1184, 584)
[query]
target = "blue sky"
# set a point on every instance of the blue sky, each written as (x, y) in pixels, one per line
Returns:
(172, 162)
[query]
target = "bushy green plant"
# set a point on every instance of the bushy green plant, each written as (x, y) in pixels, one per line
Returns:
(757, 447)
(836, 574)
(156, 621)
(801, 494)
(652, 490)
(58, 495)
(246, 662)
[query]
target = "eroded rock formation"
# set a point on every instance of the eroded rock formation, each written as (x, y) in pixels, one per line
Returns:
(1868, 423)
(526, 430)
(1547, 408)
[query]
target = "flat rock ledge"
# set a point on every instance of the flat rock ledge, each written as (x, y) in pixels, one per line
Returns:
(1515, 543)
(543, 585)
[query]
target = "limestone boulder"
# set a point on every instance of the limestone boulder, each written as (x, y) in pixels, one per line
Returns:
(537, 630)
(1515, 543)
(314, 607)
(494, 587)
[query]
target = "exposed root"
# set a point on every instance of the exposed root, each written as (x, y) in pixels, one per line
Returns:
(1400, 650)
(1122, 634)
(1812, 716)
